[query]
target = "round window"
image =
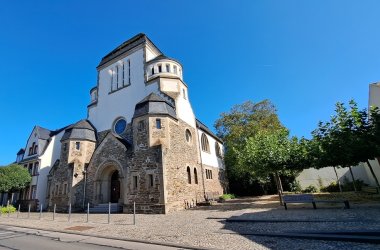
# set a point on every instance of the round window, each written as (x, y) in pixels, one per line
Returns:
(120, 126)
(188, 136)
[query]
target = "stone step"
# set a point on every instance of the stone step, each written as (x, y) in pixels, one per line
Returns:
(104, 207)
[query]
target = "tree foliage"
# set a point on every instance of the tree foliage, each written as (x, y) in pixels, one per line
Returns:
(257, 144)
(350, 137)
(244, 121)
(13, 177)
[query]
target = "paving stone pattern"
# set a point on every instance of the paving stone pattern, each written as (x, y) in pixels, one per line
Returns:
(207, 227)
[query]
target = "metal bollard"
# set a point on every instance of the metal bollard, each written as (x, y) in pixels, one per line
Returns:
(88, 210)
(40, 212)
(134, 213)
(109, 212)
(18, 210)
(69, 212)
(8, 209)
(29, 211)
(55, 206)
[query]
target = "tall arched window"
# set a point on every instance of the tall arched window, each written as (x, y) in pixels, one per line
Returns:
(188, 175)
(195, 176)
(188, 136)
(217, 150)
(204, 142)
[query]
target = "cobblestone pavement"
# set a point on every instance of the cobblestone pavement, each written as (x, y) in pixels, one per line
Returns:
(206, 227)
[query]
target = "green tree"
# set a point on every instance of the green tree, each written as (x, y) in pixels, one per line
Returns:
(273, 152)
(258, 145)
(234, 127)
(350, 137)
(13, 178)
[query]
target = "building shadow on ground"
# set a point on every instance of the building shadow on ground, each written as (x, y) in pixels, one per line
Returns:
(268, 218)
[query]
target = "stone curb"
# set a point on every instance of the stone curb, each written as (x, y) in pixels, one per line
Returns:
(114, 238)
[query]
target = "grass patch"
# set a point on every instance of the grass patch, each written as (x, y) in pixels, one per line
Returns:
(225, 197)
(7, 209)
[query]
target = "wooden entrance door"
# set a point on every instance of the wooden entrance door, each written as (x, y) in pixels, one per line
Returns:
(115, 187)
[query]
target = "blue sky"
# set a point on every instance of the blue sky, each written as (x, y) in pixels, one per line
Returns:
(302, 55)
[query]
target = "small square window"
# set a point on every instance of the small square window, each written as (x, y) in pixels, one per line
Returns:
(158, 123)
(141, 126)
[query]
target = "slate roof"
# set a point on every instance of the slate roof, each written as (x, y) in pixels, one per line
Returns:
(125, 46)
(203, 127)
(155, 105)
(21, 151)
(82, 130)
(43, 133)
(160, 57)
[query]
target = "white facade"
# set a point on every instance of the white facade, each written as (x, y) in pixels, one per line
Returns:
(211, 157)
(40, 161)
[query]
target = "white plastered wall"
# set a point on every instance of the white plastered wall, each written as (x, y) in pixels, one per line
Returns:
(51, 154)
(211, 158)
(120, 103)
(33, 138)
(184, 109)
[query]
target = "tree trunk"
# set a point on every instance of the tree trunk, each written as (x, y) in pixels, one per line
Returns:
(373, 174)
(353, 179)
(279, 187)
(337, 180)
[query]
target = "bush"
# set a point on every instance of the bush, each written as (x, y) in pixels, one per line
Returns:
(332, 187)
(7, 209)
(225, 197)
(295, 186)
(310, 189)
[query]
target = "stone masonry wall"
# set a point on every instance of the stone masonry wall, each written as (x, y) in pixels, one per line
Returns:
(179, 155)
(136, 163)
(217, 185)
(66, 182)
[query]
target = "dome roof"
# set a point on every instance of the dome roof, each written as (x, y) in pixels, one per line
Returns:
(82, 130)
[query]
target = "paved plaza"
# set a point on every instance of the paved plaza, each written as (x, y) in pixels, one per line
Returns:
(229, 225)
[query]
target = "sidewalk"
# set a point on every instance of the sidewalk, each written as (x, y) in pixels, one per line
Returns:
(207, 227)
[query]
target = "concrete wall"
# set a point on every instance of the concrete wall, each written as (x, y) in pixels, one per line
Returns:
(311, 176)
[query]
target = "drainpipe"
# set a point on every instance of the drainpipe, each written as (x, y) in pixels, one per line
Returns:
(85, 184)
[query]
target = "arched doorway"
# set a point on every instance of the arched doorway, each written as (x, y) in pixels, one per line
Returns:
(109, 184)
(115, 187)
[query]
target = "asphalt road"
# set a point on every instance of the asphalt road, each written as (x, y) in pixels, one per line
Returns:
(30, 239)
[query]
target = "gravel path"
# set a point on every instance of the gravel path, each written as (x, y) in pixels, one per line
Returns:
(207, 226)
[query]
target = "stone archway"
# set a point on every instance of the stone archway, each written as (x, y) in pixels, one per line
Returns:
(109, 183)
